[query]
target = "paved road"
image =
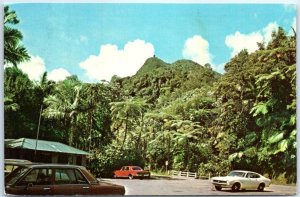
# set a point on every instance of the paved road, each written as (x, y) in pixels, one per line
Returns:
(163, 186)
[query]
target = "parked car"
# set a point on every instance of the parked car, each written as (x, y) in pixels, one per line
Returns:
(131, 172)
(240, 180)
(58, 179)
(11, 164)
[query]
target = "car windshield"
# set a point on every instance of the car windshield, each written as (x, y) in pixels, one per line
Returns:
(137, 168)
(14, 176)
(235, 173)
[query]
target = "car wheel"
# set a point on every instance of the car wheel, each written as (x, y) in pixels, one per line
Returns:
(130, 176)
(261, 187)
(236, 187)
(115, 176)
(219, 188)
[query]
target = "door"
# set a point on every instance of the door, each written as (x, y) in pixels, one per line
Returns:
(36, 182)
(69, 181)
(124, 171)
(252, 180)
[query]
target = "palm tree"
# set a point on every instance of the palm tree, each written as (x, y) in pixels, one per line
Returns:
(64, 104)
(124, 113)
(14, 52)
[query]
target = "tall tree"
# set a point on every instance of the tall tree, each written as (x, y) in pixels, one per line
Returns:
(14, 51)
(64, 104)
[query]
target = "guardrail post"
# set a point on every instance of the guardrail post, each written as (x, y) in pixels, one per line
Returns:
(209, 176)
(187, 174)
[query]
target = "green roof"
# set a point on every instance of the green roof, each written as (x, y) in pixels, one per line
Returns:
(42, 145)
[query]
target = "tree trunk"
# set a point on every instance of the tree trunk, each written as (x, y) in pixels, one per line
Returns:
(125, 132)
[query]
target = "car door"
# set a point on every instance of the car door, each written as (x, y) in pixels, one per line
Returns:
(69, 181)
(37, 182)
(252, 180)
(125, 171)
(121, 172)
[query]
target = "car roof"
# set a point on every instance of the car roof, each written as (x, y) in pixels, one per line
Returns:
(51, 165)
(17, 161)
(246, 171)
(131, 166)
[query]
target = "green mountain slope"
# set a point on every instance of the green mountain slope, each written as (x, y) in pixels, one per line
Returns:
(157, 78)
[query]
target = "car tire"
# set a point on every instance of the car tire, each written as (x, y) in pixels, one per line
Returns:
(236, 187)
(115, 176)
(261, 187)
(130, 176)
(219, 188)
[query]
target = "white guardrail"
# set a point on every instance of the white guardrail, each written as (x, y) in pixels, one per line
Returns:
(189, 174)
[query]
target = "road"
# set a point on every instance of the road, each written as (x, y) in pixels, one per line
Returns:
(180, 186)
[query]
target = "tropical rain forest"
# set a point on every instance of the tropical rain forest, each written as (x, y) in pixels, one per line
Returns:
(182, 112)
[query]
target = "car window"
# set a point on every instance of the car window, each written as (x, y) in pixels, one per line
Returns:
(69, 176)
(40, 176)
(14, 176)
(9, 168)
(252, 175)
(127, 168)
(80, 178)
(235, 173)
(136, 168)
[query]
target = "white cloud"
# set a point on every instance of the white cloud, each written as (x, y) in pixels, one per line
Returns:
(121, 62)
(239, 41)
(58, 74)
(219, 68)
(267, 31)
(196, 48)
(34, 68)
(294, 23)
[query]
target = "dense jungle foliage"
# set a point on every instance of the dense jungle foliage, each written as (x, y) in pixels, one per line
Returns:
(183, 113)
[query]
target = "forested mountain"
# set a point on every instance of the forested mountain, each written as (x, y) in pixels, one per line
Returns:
(183, 113)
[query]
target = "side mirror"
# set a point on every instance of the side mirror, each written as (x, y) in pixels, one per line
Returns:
(28, 186)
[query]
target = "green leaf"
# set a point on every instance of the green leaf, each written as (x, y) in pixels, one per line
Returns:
(276, 138)
(283, 145)
(260, 108)
(292, 120)
(232, 156)
(293, 133)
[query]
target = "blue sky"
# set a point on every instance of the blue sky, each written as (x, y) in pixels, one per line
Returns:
(95, 41)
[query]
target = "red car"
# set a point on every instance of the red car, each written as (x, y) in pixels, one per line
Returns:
(131, 172)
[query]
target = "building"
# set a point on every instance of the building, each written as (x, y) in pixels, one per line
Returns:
(44, 151)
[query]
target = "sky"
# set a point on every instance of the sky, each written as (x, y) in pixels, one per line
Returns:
(98, 40)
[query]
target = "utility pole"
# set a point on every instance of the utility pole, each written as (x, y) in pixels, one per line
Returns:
(38, 131)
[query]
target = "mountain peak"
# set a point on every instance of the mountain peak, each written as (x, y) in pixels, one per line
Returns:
(151, 64)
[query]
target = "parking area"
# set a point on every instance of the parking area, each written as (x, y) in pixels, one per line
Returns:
(180, 186)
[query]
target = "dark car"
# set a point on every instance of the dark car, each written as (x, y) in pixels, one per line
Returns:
(12, 164)
(58, 179)
(131, 172)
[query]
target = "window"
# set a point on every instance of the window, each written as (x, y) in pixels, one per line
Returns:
(136, 168)
(40, 176)
(236, 173)
(252, 175)
(80, 178)
(69, 176)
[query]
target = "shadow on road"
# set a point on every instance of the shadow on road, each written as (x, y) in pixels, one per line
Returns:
(243, 191)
